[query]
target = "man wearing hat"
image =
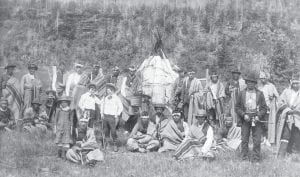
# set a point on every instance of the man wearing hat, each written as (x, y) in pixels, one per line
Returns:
(271, 95)
(86, 150)
(192, 91)
(215, 99)
(251, 109)
(232, 90)
(7, 120)
(200, 140)
(31, 86)
(111, 109)
(10, 89)
(87, 105)
(288, 126)
(143, 136)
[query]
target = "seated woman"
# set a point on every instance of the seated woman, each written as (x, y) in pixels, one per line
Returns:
(175, 132)
(200, 140)
(143, 136)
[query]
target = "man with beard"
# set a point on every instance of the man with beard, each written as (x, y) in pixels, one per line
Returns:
(143, 136)
(86, 149)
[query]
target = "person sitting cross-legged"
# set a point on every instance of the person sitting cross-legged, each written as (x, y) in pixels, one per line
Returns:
(175, 132)
(143, 136)
(200, 140)
(86, 150)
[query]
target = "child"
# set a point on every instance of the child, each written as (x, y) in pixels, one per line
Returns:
(63, 126)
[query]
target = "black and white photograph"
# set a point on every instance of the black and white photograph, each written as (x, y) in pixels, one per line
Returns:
(149, 88)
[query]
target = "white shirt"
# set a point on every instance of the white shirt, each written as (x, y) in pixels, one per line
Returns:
(87, 101)
(72, 80)
(112, 106)
(251, 101)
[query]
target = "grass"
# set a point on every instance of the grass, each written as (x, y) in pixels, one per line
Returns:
(30, 154)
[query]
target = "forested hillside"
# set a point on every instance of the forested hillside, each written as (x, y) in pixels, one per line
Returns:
(256, 34)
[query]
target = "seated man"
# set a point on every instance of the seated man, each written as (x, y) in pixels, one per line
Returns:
(228, 137)
(143, 136)
(35, 119)
(86, 150)
(7, 121)
(175, 132)
(159, 119)
(200, 140)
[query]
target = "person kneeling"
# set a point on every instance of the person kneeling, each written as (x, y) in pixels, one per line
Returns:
(86, 150)
(143, 136)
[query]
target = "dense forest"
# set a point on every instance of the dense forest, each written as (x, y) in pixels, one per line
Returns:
(197, 34)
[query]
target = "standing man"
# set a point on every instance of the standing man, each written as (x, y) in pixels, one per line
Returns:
(251, 109)
(288, 126)
(7, 121)
(232, 90)
(31, 86)
(87, 105)
(270, 94)
(73, 79)
(191, 97)
(215, 99)
(177, 88)
(111, 108)
(10, 89)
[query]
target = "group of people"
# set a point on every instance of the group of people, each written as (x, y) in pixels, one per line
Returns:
(203, 118)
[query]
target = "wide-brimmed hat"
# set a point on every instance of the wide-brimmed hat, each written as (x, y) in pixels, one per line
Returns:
(251, 77)
(92, 84)
(236, 71)
(36, 101)
(64, 98)
(49, 90)
(32, 66)
(200, 113)
(10, 65)
(111, 85)
(159, 105)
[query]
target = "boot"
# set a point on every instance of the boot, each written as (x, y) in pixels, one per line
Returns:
(59, 153)
(282, 149)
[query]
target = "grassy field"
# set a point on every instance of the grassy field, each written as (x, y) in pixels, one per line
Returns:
(25, 156)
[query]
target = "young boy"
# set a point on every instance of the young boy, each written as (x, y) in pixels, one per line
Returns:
(63, 126)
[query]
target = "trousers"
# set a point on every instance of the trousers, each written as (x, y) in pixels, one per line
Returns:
(109, 127)
(256, 136)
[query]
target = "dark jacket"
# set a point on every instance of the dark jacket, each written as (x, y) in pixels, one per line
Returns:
(241, 102)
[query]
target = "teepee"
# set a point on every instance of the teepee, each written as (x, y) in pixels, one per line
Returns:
(157, 75)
